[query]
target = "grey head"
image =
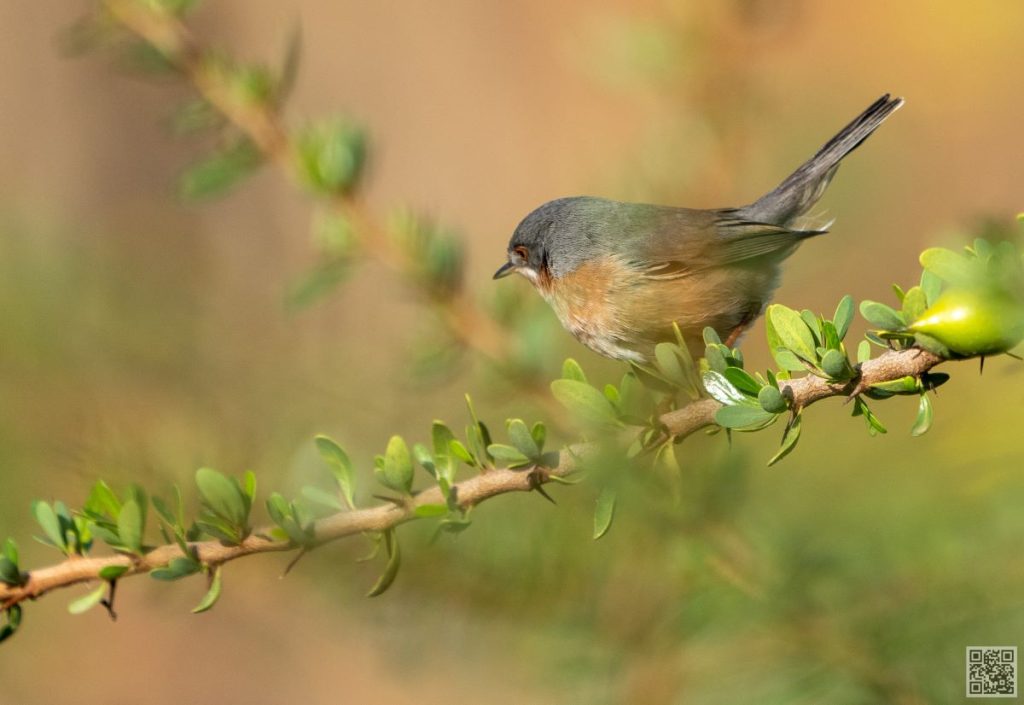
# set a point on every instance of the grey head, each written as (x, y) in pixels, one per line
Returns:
(557, 237)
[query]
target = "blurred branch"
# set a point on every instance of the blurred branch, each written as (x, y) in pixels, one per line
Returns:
(679, 424)
(213, 553)
(261, 123)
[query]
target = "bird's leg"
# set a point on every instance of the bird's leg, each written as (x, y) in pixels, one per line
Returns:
(748, 319)
(730, 342)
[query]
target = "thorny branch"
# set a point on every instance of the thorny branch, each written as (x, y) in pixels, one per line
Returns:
(892, 365)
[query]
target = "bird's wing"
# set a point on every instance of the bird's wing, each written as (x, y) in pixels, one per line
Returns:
(674, 243)
(744, 239)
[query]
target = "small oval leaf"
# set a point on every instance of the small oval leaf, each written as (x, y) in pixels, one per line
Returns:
(584, 402)
(924, 417)
(212, 595)
(881, 316)
(743, 417)
(843, 316)
(391, 569)
(88, 601)
(604, 512)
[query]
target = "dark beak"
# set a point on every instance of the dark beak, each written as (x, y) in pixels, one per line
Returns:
(504, 270)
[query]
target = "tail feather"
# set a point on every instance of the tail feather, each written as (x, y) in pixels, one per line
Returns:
(802, 189)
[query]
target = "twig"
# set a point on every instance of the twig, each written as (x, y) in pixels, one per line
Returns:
(890, 366)
(262, 124)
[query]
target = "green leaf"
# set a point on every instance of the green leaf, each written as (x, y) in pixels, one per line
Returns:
(219, 173)
(11, 551)
(949, 266)
(931, 285)
(478, 436)
(604, 512)
(430, 510)
(572, 370)
(212, 595)
(522, 439)
(48, 520)
(423, 457)
(812, 324)
(612, 395)
(836, 366)
(786, 360)
(340, 465)
(249, 486)
(711, 336)
(179, 567)
(165, 511)
(222, 496)
(391, 569)
(982, 248)
(635, 403)
(793, 333)
(676, 365)
(771, 399)
(789, 438)
(651, 379)
(715, 356)
(129, 526)
(666, 461)
(9, 572)
(278, 507)
(881, 316)
(13, 615)
(509, 455)
(743, 417)
(863, 351)
(219, 529)
(102, 500)
(317, 283)
(723, 391)
(914, 304)
(322, 497)
(330, 155)
(860, 408)
(295, 523)
(461, 452)
(441, 436)
(113, 572)
(88, 601)
(903, 385)
(742, 380)
(539, 432)
(924, 417)
(843, 316)
(397, 472)
(584, 402)
(832, 340)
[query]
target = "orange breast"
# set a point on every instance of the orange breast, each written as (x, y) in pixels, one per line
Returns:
(620, 312)
(588, 303)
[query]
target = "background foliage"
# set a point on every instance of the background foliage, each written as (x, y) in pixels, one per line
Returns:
(144, 338)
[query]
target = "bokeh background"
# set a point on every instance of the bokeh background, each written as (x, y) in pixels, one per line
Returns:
(142, 337)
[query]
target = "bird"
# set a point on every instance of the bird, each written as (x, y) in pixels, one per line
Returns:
(620, 275)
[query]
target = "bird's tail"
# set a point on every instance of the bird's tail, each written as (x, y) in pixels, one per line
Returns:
(802, 189)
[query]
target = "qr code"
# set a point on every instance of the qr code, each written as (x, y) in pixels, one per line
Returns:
(991, 671)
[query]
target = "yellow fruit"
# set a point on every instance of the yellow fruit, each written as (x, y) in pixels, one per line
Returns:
(972, 321)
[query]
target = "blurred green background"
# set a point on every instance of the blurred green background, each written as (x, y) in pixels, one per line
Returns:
(141, 337)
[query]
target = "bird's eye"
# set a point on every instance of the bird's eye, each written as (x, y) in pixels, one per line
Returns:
(521, 252)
